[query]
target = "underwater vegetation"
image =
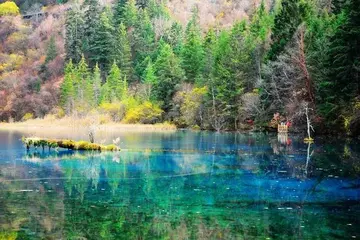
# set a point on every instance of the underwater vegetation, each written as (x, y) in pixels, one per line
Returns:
(67, 144)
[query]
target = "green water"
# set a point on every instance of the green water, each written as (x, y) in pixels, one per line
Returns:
(182, 185)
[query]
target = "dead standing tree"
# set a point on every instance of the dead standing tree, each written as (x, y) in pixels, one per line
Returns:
(300, 60)
(308, 123)
(288, 83)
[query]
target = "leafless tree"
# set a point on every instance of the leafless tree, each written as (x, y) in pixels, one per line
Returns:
(308, 121)
(288, 83)
(161, 25)
(92, 127)
(250, 105)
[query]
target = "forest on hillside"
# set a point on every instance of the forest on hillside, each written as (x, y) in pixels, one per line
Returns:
(136, 62)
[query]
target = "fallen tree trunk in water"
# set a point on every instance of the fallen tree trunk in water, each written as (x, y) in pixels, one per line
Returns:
(67, 144)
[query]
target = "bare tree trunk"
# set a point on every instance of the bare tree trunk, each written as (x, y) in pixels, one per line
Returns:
(308, 121)
(301, 61)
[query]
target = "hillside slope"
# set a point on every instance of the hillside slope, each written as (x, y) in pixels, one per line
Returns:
(30, 75)
(214, 12)
(29, 83)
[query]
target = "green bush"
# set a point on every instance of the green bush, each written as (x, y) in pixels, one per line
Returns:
(8, 235)
(146, 112)
(27, 116)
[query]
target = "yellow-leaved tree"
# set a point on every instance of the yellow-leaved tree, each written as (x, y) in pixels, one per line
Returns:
(9, 8)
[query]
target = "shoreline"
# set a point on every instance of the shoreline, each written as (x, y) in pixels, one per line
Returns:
(53, 126)
(69, 124)
(80, 129)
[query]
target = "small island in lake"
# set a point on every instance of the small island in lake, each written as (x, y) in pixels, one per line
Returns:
(67, 144)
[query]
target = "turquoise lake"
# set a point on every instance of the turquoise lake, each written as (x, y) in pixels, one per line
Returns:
(182, 185)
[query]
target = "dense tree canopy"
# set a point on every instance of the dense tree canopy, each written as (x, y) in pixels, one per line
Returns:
(118, 57)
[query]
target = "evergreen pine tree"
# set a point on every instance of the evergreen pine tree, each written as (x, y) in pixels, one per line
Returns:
(285, 25)
(105, 94)
(67, 91)
(209, 55)
(256, 41)
(260, 24)
(169, 73)
(130, 14)
(51, 54)
(119, 11)
(91, 27)
(97, 84)
(231, 66)
(193, 52)
(157, 9)
(123, 52)
(144, 41)
(115, 87)
(81, 80)
(102, 49)
(149, 77)
(51, 51)
(174, 37)
(343, 81)
(74, 28)
(345, 53)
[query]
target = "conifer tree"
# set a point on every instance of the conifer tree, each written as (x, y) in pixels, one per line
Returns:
(81, 81)
(285, 25)
(89, 94)
(157, 9)
(122, 52)
(174, 37)
(149, 78)
(345, 53)
(130, 14)
(231, 66)
(256, 41)
(91, 26)
(51, 54)
(343, 80)
(119, 11)
(67, 91)
(115, 87)
(102, 49)
(144, 41)
(51, 51)
(209, 55)
(169, 73)
(74, 28)
(193, 52)
(260, 24)
(105, 94)
(97, 84)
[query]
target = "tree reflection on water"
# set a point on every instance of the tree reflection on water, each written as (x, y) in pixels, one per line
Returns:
(230, 187)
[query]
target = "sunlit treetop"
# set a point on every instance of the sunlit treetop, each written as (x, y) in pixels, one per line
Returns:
(9, 8)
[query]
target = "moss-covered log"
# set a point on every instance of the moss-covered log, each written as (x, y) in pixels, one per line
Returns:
(67, 144)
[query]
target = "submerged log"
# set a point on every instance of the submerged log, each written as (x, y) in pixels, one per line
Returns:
(67, 144)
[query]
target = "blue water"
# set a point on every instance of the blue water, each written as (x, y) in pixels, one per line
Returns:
(182, 185)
